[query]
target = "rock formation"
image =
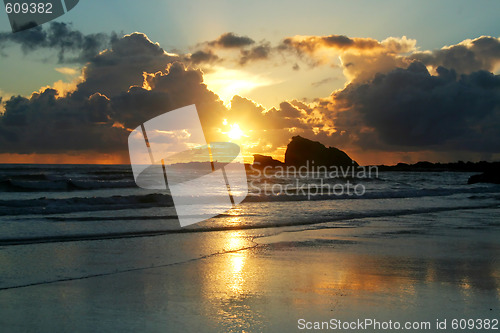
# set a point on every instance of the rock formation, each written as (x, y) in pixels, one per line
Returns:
(301, 151)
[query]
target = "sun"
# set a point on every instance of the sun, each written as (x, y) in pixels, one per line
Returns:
(235, 133)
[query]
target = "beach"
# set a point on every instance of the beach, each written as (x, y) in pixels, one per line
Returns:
(411, 267)
(230, 166)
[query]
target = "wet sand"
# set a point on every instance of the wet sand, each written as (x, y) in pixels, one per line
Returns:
(408, 268)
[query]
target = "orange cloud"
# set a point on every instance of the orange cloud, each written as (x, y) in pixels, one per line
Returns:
(310, 44)
(361, 58)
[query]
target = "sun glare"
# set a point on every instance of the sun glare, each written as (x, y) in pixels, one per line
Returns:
(235, 132)
(229, 82)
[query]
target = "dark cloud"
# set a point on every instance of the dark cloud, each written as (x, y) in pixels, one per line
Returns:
(170, 89)
(123, 65)
(248, 49)
(482, 53)
(61, 37)
(44, 123)
(201, 56)
(259, 52)
(411, 109)
(98, 115)
(230, 40)
(388, 108)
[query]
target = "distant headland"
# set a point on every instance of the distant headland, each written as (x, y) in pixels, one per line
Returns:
(301, 151)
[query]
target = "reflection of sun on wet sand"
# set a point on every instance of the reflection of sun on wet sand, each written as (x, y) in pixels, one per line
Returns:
(387, 270)
(402, 268)
(384, 270)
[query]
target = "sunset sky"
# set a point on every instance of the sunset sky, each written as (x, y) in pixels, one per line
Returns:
(386, 81)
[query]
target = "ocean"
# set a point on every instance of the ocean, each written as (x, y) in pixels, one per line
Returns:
(44, 203)
(83, 248)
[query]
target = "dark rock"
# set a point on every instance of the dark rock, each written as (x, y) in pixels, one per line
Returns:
(262, 161)
(300, 150)
(486, 177)
(453, 166)
(425, 165)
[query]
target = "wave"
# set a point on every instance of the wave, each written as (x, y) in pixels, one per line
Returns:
(50, 183)
(372, 194)
(129, 218)
(118, 202)
(92, 184)
(70, 205)
(317, 223)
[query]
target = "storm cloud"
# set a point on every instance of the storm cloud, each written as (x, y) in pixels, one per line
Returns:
(172, 88)
(71, 45)
(45, 124)
(412, 109)
(115, 70)
(115, 97)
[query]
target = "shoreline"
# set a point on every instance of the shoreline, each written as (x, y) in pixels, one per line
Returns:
(400, 268)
